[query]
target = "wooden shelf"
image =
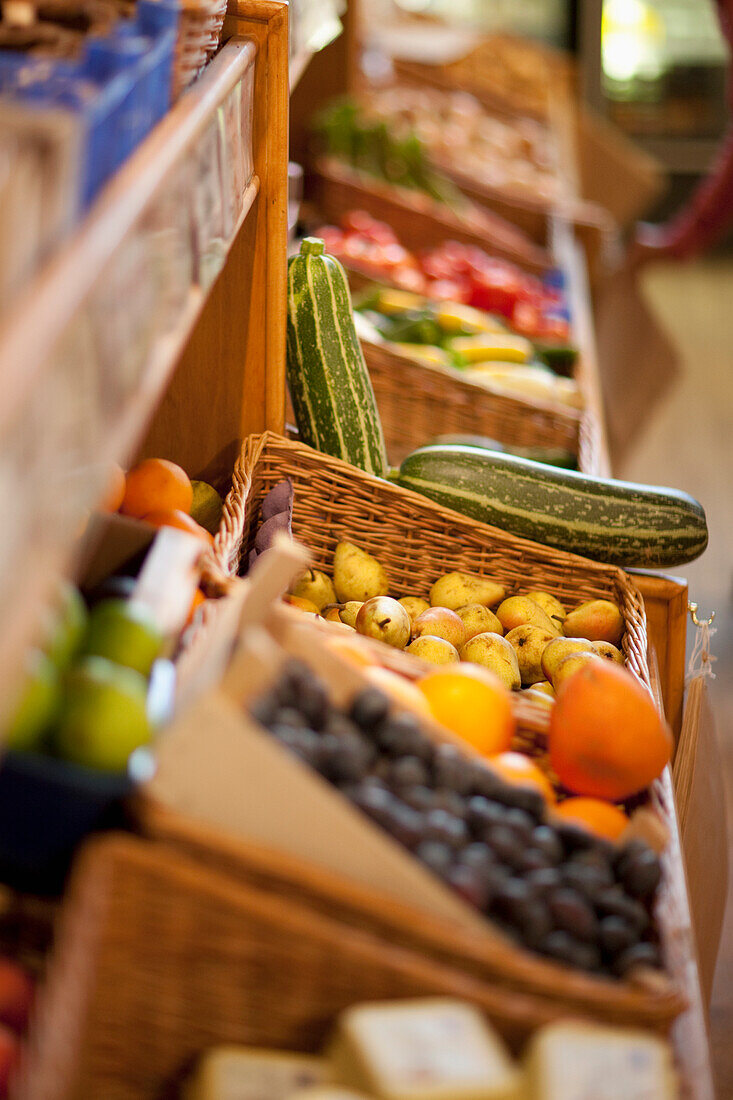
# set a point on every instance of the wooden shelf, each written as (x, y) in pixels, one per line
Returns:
(98, 344)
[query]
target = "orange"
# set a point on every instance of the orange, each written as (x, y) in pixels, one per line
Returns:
(155, 485)
(403, 692)
(474, 704)
(114, 494)
(174, 517)
(606, 739)
(515, 767)
(595, 816)
(198, 599)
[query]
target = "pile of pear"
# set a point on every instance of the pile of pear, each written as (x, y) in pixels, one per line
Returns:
(531, 642)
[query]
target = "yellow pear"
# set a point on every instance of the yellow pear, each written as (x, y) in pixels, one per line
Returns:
(454, 590)
(522, 611)
(494, 652)
(357, 575)
(414, 606)
(529, 643)
(431, 648)
(545, 687)
(560, 648)
(609, 651)
(570, 665)
(598, 620)
(440, 622)
(315, 586)
(385, 620)
(549, 604)
(478, 619)
(349, 611)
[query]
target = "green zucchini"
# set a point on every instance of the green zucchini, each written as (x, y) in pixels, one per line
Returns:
(611, 521)
(329, 383)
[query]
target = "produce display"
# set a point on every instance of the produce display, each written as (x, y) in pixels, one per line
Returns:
(515, 156)
(161, 493)
(553, 885)
(454, 272)
(440, 1048)
(343, 129)
(328, 379)
(525, 639)
(479, 345)
(600, 518)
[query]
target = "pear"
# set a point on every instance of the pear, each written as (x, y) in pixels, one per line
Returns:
(315, 586)
(598, 620)
(529, 642)
(349, 611)
(549, 604)
(478, 619)
(301, 603)
(440, 622)
(384, 619)
(455, 590)
(545, 687)
(357, 575)
(560, 648)
(414, 606)
(436, 650)
(494, 652)
(609, 651)
(522, 611)
(570, 665)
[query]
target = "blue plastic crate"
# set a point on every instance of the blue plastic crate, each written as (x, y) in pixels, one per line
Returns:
(120, 86)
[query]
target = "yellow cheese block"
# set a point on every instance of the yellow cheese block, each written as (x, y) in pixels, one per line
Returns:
(575, 1061)
(432, 1049)
(242, 1073)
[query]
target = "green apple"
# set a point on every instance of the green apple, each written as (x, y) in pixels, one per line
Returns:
(103, 717)
(125, 632)
(37, 706)
(67, 626)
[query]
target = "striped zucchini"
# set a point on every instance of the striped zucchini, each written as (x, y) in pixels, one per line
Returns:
(328, 379)
(611, 521)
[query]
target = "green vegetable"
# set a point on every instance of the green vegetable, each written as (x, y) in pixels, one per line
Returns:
(328, 379)
(612, 521)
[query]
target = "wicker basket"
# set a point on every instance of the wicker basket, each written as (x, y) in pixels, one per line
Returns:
(199, 30)
(160, 955)
(417, 401)
(415, 539)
